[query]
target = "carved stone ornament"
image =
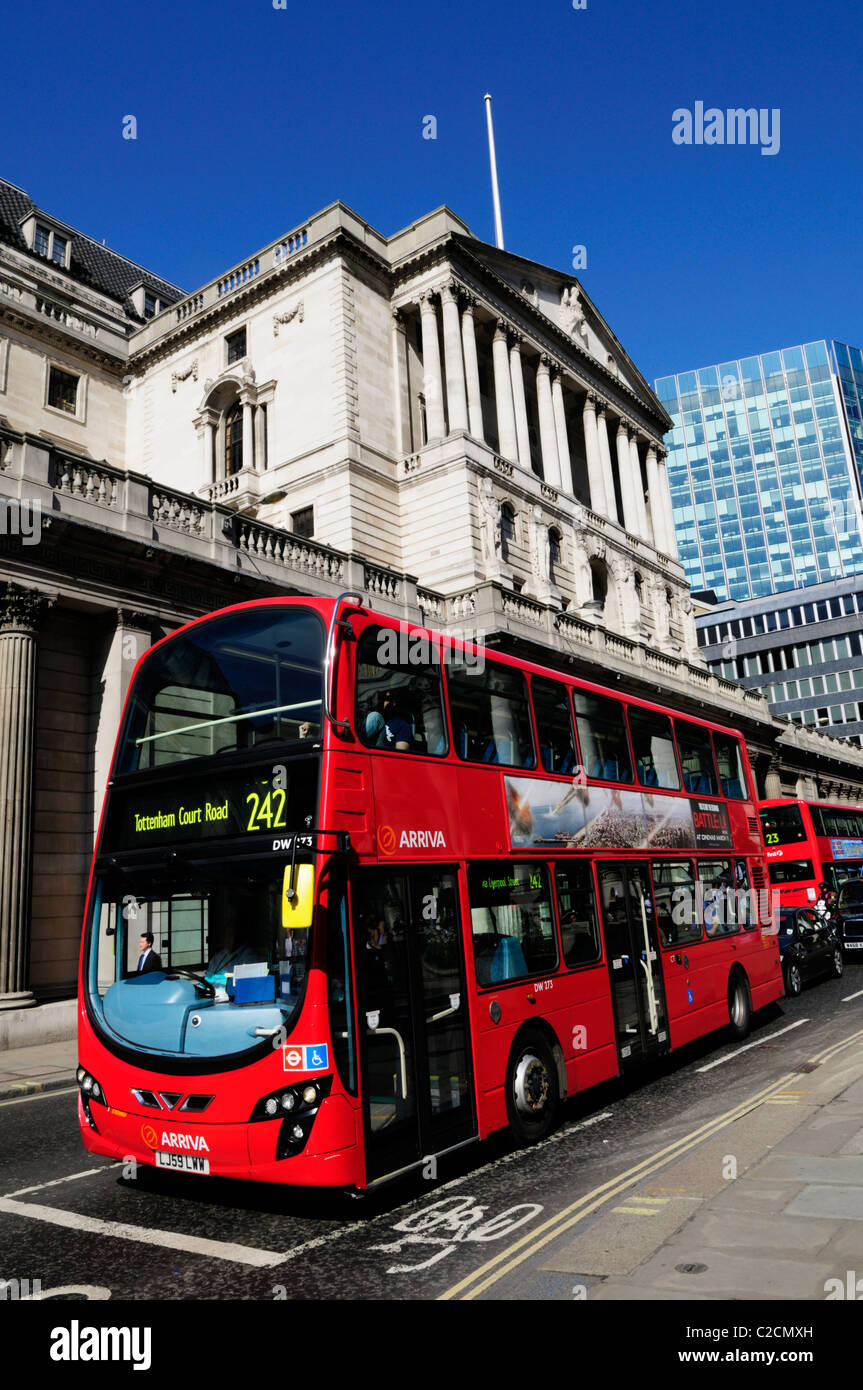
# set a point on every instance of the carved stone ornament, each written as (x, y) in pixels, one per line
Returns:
(22, 610)
(490, 532)
(572, 318)
(541, 547)
(298, 312)
(190, 370)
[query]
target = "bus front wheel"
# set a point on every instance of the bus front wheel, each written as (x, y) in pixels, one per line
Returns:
(739, 1006)
(532, 1091)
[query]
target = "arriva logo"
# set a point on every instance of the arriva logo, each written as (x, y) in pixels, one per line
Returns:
(195, 1142)
(388, 840)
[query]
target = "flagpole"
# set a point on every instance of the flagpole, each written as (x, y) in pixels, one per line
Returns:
(498, 225)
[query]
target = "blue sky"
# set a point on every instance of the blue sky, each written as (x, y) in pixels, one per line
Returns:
(251, 118)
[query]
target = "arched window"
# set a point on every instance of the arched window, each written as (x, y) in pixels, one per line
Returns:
(553, 551)
(233, 439)
(507, 529)
(599, 576)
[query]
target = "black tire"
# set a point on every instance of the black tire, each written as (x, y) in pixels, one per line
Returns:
(793, 979)
(837, 963)
(532, 1091)
(739, 1006)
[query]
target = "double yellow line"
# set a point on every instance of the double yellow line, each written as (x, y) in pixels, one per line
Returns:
(524, 1249)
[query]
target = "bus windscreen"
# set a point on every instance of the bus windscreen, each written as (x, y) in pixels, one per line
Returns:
(228, 685)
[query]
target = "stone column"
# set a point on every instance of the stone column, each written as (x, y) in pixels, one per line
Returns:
(507, 437)
(773, 779)
(605, 462)
(456, 398)
(643, 528)
(627, 482)
(208, 424)
(123, 648)
(598, 500)
(471, 371)
(518, 401)
(21, 614)
(432, 383)
(561, 432)
(248, 436)
(261, 436)
(665, 493)
(547, 432)
(657, 508)
(401, 393)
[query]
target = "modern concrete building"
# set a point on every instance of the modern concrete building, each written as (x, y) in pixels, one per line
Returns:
(450, 428)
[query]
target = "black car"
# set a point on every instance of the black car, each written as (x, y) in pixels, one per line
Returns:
(809, 946)
(850, 907)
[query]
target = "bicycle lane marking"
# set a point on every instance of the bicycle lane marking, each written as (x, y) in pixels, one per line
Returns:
(592, 1201)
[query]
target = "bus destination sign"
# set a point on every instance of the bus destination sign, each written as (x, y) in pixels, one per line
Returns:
(219, 805)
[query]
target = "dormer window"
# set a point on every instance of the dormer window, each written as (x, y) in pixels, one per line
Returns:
(147, 303)
(46, 241)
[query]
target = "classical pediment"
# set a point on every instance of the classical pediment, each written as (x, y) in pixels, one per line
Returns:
(562, 299)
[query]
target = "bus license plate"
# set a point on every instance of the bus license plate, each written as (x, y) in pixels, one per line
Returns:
(183, 1163)
(854, 945)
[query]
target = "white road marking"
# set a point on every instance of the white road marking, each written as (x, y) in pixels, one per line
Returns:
(848, 997)
(170, 1240)
(23, 1191)
(737, 1051)
(39, 1095)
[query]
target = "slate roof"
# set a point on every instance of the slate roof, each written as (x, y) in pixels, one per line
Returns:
(91, 263)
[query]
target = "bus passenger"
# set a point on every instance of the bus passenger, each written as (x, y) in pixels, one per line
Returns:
(376, 729)
(399, 733)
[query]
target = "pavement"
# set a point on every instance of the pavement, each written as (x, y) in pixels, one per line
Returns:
(45, 1067)
(770, 1208)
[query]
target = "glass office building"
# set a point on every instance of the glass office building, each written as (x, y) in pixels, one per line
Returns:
(763, 474)
(765, 464)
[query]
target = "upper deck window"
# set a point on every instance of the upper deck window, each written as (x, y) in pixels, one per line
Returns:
(729, 761)
(233, 683)
(399, 694)
(696, 758)
(490, 715)
(837, 821)
(602, 737)
(653, 745)
(554, 726)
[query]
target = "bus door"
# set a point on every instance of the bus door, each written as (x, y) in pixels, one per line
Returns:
(632, 950)
(413, 1016)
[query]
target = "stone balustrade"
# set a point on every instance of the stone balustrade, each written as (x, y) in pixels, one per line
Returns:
(132, 505)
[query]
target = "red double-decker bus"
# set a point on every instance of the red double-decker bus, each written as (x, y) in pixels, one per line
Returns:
(363, 894)
(808, 843)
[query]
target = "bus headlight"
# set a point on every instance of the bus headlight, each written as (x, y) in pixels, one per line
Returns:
(292, 1101)
(90, 1088)
(90, 1091)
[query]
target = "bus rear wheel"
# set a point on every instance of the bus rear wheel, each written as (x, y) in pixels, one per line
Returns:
(739, 1006)
(532, 1091)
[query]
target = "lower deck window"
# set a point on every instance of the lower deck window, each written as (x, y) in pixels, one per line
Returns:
(511, 921)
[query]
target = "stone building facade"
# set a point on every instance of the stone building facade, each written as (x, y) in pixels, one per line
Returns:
(449, 428)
